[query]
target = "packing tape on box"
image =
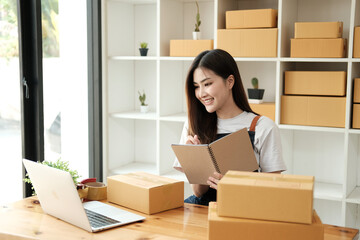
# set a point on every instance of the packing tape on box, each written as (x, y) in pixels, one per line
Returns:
(93, 191)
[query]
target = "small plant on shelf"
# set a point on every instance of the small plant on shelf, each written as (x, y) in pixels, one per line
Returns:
(255, 94)
(144, 108)
(143, 48)
(196, 33)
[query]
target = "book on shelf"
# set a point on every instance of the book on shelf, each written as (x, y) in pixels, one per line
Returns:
(231, 152)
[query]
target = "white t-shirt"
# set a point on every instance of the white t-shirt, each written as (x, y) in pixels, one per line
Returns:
(267, 142)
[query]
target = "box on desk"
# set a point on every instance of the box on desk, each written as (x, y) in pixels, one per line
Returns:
(248, 42)
(318, 29)
(231, 228)
(317, 48)
(329, 83)
(265, 109)
(189, 48)
(254, 18)
(356, 98)
(145, 192)
(313, 111)
(266, 196)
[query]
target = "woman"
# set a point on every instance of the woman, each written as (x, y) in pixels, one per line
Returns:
(217, 105)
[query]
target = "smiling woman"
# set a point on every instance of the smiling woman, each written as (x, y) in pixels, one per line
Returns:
(217, 105)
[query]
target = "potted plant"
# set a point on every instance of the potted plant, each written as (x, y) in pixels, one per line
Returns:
(143, 48)
(144, 108)
(196, 33)
(62, 165)
(255, 93)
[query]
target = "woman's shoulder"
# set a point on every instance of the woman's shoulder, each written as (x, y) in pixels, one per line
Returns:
(266, 125)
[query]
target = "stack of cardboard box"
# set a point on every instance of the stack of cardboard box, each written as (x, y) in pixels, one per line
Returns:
(249, 33)
(356, 50)
(356, 104)
(314, 98)
(264, 206)
(318, 40)
(189, 48)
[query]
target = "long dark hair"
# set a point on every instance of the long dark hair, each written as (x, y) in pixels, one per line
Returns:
(201, 122)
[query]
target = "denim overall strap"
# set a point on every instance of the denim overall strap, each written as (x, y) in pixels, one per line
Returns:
(210, 195)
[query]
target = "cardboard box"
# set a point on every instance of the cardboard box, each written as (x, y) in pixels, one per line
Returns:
(265, 109)
(328, 83)
(356, 116)
(145, 192)
(244, 229)
(266, 196)
(248, 42)
(356, 92)
(313, 111)
(356, 50)
(254, 18)
(318, 29)
(318, 48)
(189, 48)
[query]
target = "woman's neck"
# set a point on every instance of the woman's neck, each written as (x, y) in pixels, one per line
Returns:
(229, 111)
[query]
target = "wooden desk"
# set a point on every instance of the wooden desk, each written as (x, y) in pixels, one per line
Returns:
(25, 218)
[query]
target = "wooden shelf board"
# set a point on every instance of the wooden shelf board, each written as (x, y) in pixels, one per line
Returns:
(135, 115)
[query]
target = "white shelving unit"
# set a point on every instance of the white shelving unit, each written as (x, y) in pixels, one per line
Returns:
(141, 142)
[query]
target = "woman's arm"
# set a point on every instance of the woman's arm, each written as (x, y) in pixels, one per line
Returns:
(199, 189)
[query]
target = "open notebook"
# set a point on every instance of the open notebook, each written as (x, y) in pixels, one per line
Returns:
(232, 152)
(58, 197)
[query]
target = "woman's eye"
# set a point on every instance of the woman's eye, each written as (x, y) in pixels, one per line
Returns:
(196, 87)
(208, 84)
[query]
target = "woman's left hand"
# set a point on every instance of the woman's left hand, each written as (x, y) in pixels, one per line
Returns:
(213, 180)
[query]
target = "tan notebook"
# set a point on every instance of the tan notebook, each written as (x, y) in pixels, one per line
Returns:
(232, 152)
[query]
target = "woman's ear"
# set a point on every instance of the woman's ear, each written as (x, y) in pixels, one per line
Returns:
(230, 81)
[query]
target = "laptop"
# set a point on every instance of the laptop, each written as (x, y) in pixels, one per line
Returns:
(59, 198)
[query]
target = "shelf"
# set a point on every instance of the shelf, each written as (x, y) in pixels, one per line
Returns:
(354, 196)
(177, 58)
(310, 128)
(354, 131)
(328, 191)
(135, 167)
(288, 59)
(181, 117)
(137, 58)
(135, 115)
(251, 59)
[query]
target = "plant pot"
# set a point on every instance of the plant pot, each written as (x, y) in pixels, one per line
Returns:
(196, 35)
(143, 51)
(255, 93)
(144, 109)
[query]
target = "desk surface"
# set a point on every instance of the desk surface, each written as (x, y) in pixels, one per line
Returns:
(26, 218)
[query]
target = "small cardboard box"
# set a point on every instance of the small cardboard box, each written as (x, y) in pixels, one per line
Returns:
(356, 50)
(265, 109)
(145, 192)
(289, 198)
(356, 116)
(328, 83)
(318, 29)
(318, 48)
(254, 18)
(189, 48)
(356, 98)
(313, 111)
(248, 42)
(244, 229)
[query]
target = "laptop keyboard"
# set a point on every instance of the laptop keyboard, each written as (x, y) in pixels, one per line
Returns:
(97, 220)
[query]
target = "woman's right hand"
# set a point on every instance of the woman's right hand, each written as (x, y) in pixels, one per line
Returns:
(193, 140)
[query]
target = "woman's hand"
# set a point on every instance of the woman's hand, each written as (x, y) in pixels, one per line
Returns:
(193, 140)
(213, 181)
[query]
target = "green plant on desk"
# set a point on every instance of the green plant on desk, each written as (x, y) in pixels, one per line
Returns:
(62, 165)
